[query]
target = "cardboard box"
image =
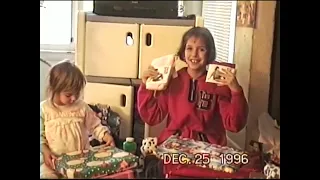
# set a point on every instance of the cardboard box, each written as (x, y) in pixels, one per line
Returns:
(165, 66)
(215, 68)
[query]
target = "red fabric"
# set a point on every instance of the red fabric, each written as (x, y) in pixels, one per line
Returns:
(128, 174)
(179, 171)
(225, 110)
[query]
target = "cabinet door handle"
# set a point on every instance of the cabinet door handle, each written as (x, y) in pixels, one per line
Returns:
(148, 39)
(129, 39)
(123, 100)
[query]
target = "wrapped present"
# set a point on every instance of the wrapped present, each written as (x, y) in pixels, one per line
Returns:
(190, 152)
(97, 162)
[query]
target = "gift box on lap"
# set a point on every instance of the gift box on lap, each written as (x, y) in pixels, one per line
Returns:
(97, 162)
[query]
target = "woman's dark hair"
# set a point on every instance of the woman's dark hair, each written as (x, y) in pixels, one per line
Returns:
(199, 32)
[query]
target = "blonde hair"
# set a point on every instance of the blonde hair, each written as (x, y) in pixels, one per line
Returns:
(65, 76)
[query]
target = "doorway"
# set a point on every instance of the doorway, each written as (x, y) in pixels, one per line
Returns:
(274, 95)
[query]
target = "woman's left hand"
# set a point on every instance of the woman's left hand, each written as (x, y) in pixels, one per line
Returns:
(229, 79)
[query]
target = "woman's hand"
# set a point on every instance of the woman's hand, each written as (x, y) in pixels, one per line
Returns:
(48, 157)
(229, 79)
(150, 72)
(108, 139)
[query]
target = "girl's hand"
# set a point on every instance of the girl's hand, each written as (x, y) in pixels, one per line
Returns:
(48, 157)
(150, 72)
(108, 139)
(229, 79)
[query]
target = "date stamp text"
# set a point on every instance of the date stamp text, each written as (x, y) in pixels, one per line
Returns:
(236, 158)
(205, 159)
(176, 158)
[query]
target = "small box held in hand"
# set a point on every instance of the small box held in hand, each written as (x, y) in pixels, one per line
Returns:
(216, 69)
(165, 66)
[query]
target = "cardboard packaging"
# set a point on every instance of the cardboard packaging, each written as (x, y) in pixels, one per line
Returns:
(215, 68)
(165, 66)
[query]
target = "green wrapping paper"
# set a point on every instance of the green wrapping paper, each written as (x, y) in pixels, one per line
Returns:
(94, 163)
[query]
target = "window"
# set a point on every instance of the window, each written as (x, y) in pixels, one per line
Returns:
(87, 6)
(220, 19)
(58, 24)
(56, 30)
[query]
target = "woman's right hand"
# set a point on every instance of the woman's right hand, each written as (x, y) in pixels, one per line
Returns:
(48, 157)
(150, 72)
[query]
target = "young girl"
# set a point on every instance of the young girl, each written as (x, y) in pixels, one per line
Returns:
(195, 109)
(65, 120)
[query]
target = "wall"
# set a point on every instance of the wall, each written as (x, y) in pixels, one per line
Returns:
(192, 7)
(253, 57)
(54, 57)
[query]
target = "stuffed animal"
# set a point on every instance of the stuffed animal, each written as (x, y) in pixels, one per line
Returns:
(108, 118)
(149, 146)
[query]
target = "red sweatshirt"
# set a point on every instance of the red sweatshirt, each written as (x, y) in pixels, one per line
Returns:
(194, 107)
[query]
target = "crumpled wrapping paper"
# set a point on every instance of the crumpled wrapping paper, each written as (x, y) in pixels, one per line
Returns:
(269, 134)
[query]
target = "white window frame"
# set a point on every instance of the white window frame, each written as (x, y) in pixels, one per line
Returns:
(66, 47)
(232, 34)
(232, 39)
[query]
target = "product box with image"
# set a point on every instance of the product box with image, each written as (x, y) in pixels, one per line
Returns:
(100, 161)
(165, 66)
(215, 69)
